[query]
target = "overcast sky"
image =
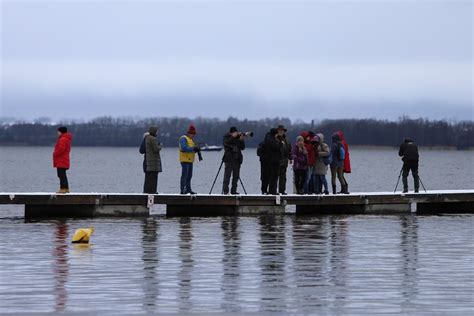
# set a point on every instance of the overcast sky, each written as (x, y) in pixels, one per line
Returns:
(304, 60)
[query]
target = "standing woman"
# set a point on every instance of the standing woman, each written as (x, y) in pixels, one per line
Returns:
(61, 159)
(347, 160)
(153, 161)
(337, 164)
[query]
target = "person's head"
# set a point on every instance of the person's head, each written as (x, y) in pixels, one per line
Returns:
(62, 130)
(408, 140)
(273, 131)
(315, 140)
(336, 138)
(281, 130)
(153, 130)
(191, 131)
(300, 141)
(233, 131)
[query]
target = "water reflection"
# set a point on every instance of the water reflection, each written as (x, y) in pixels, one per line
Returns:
(61, 266)
(339, 253)
(409, 254)
(272, 262)
(310, 249)
(187, 263)
(150, 262)
(231, 263)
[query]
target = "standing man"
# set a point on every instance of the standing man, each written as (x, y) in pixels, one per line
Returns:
(272, 159)
(187, 153)
(61, 159)
(409, 153)
(233, 158)
(285, 157)
(153, 161)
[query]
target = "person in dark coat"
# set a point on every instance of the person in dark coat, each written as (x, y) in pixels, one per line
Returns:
(61, 159)
(337, 164)
(264, 176)
(285, 157)
(153, 161)
(309, 186)
(409, 153)
(272, 159)
(233, 145)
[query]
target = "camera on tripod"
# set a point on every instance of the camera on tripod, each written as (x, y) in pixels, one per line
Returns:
(246, 134)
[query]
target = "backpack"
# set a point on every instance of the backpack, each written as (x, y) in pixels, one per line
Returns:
(341, 152)
(328, 159)
(260, 150)
(142, 149)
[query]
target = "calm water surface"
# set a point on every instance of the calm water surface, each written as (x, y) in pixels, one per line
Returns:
(286, 264)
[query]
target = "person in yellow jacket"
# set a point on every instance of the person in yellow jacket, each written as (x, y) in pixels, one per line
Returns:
(187, 153)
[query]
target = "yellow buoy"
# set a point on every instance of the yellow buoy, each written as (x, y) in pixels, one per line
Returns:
(82, 235)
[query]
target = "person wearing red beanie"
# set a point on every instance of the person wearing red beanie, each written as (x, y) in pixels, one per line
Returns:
(187, 153)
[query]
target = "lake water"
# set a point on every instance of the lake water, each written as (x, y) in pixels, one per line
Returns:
(287, 264)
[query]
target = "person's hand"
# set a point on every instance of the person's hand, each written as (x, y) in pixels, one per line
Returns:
(197, 149)
(291, 162)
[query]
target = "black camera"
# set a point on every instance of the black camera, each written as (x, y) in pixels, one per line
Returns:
(245, 134)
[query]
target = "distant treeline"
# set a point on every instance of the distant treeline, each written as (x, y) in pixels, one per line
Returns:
(108, 131)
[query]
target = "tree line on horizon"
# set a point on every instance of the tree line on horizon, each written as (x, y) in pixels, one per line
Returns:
(127, 132)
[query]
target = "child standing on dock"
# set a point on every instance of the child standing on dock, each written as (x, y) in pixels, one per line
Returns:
(300, 164)
(61, 159)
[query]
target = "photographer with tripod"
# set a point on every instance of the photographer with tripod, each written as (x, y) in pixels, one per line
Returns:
(409, 153)
(233, 145)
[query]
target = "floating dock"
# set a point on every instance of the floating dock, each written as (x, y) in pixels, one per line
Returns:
(128, 205)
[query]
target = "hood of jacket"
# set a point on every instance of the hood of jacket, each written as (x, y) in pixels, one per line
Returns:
(321, 137)
(67, 136)
(341, 135)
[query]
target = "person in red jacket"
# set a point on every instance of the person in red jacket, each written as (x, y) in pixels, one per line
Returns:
(347, 159)
(61, 158)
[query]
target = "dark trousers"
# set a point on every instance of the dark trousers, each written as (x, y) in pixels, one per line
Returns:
(63, 184)
(413, 166)
(186, 176)
(273, 170)
(339, 173)
(151, 182)
(231, 169)
(300, 179)
(320, 183)
(282, 179)
(264, 176)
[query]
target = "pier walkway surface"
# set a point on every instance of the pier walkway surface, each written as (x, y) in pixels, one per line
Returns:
(129, 204)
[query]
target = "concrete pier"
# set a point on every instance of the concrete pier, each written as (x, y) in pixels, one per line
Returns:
(123, 205)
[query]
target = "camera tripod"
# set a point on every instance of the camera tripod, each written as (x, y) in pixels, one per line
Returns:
(399, 176)
(217, 175)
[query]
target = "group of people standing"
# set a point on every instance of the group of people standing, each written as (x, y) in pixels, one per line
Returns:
(310, 156)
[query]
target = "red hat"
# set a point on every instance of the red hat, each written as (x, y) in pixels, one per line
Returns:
(192, 130)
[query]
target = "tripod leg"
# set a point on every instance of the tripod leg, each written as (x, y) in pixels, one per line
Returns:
(243, 187)
(401, 170)
(217, 175)
(422, 183)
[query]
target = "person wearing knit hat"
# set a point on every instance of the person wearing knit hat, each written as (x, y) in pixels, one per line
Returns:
(233, 145)
(187, 153)
(61, 160)
(152, 164)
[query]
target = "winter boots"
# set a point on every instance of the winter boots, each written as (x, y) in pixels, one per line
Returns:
(63, 191)
(344, 189)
